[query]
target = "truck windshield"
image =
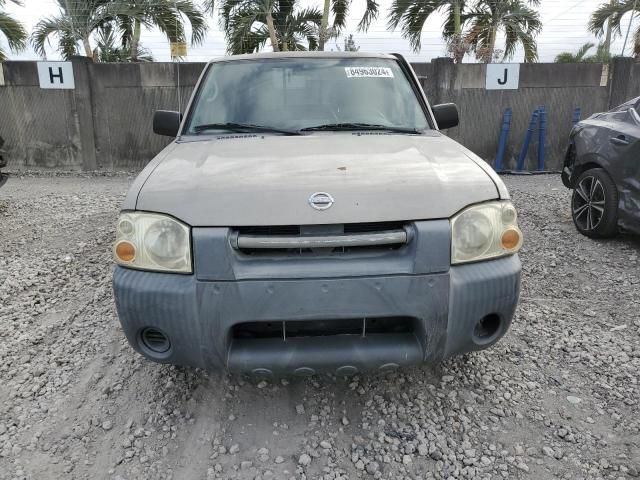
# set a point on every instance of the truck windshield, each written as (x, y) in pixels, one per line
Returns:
(290, 95)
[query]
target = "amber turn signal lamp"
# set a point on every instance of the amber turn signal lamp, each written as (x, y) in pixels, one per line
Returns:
(125, 251)
(510, 239)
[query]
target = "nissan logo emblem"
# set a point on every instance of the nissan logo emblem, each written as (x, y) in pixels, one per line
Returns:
(320, 200)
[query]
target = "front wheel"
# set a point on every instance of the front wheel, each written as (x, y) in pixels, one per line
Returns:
(594, 204)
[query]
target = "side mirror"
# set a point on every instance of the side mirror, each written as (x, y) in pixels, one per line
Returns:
(446, 115)
(166, 123)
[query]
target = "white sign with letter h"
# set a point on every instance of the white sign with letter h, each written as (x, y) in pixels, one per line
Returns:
(56, 75)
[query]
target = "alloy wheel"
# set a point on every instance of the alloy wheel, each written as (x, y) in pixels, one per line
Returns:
(588, 203)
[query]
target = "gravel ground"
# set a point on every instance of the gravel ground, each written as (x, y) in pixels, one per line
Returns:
(557, 398)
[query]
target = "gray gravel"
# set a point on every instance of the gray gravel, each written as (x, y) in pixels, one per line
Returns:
(557, 398)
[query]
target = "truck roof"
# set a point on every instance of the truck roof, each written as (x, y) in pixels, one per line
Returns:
(302, 54)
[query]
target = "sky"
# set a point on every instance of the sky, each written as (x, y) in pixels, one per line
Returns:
(564, 30)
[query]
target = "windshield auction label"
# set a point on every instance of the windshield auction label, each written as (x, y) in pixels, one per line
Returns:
(371, 72)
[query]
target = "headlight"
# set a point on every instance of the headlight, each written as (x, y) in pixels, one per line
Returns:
(150, 241)
(484, 231)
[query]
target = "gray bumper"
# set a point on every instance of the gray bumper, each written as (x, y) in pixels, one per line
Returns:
(198, 317)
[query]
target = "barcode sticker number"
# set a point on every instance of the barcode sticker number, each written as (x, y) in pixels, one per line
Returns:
(368, 72)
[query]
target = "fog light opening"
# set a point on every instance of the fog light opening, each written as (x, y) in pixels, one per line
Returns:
(487, 328)
(155, 340)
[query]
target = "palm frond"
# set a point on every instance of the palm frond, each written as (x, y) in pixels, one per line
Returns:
(15, 2)
(303, 24)
(579, 56)
(165, 18)
(208, 7)
(410, 16)
(370, 14)
(14, 32)
(195, 18)
(125, 27)
(48, 27)
(521, 25)
(339, 8)
(611, 12)
(242, 30)
(227, 9)
(300, 20)
(582, 51)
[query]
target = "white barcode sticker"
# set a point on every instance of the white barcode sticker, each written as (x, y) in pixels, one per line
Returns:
(371, 72)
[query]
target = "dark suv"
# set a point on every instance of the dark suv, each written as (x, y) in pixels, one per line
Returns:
(602, 169)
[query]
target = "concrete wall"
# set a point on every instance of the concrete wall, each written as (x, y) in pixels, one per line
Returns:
(559, 87)
(105, 122)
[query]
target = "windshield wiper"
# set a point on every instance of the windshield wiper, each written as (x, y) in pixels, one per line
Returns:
(359, 126)
(242, 127)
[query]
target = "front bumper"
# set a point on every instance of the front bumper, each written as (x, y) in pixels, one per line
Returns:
(198, 317)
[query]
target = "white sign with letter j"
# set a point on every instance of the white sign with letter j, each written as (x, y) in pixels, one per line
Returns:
(503, 76)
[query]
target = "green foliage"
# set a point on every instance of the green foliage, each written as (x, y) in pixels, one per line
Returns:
(81, 20)
(109, 49)
(614, 12)
(520, 23)
(601, 55)
(12, 30)
(245, 23)
(411, 15)
(350, 44)
(472, 25)
(340, 10)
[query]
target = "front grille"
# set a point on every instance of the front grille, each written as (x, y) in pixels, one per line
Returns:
(296, 238)
(365, 227)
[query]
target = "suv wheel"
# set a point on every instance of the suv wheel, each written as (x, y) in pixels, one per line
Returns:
(594, 204)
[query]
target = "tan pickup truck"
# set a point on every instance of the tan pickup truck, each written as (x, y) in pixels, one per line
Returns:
(311, 216)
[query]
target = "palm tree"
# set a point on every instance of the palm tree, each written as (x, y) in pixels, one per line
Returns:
(109, 48)
(607, 31)
(78, 20)
(411, 15)
(12, 30)
(340, 10)
(519, 22)
(75, 22)
(602, 55)
(166, 15)
(578, 57)
(611, 15)
(248, 24)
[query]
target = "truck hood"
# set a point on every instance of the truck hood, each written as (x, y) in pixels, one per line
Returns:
(267, 180)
